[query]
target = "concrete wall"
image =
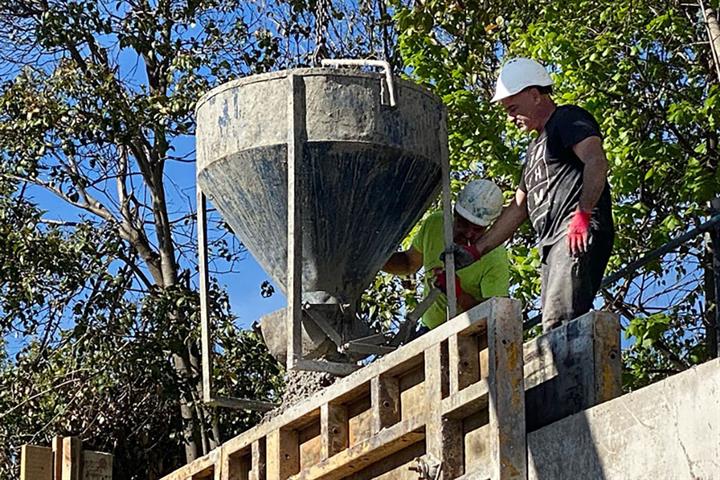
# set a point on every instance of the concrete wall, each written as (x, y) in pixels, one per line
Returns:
(667, 431)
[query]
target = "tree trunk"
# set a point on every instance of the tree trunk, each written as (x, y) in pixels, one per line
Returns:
(713, 31)
(186, 411)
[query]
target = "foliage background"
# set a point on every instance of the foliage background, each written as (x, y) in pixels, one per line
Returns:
(645, 71)
(96, 107)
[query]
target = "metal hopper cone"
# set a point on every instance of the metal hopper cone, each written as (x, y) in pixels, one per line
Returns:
(364, 153)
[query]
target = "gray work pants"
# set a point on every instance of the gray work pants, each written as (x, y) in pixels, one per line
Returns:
(569, 284)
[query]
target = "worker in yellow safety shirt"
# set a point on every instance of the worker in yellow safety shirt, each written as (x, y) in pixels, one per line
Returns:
(477, 206)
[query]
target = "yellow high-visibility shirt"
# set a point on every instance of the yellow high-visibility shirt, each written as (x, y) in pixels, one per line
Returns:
(488, 277)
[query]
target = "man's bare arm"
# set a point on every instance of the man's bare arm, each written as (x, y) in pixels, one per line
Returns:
(591, 153)
(510, 219)
(404, 263)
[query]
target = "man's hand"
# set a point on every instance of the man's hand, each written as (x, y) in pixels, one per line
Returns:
(465, 255)
(579, 232)
(441, 282)
(404, 263)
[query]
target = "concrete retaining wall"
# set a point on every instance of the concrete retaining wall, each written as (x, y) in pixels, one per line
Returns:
(667, 431)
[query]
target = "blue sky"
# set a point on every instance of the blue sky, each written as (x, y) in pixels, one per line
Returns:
(243, 286)
(244, 291)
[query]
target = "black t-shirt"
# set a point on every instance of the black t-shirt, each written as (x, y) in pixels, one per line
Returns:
(552, 177)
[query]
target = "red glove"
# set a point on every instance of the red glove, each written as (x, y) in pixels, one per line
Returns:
(441, 283)
(579, 232)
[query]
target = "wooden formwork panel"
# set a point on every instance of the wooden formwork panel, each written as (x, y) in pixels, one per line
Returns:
(36, 463)
(66, 460)
(393, 467)
(420, 401)
(359, 419)
(572, 368)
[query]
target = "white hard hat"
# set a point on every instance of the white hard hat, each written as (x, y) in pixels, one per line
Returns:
(518, 74)
(480, 202)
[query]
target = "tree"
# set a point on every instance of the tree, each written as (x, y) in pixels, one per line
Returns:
(96, 108)
(645, 71)
(96, 101)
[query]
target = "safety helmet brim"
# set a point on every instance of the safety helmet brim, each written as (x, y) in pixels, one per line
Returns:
(518, 74)
(463, 212)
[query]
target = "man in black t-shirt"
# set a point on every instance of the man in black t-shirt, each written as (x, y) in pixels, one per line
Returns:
(563, 190)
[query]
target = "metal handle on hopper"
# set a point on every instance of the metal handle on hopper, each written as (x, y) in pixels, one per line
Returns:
(387, 70)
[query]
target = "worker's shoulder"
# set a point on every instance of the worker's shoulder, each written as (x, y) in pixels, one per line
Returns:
(571, 112)
(435, 216)
(434, 220)
(497, 255)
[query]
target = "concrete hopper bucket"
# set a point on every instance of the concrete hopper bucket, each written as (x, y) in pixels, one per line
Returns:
(364, 171)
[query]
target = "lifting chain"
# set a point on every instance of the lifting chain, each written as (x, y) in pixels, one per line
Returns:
(322, 19)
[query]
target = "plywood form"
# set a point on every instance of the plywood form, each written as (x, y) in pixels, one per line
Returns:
(36, 463)
(584, 354)
(412, 400)
(65, 460)
(71, 458)
(239, 465)
(572, 368)
(360, 420)
(393, 467)
(96, 466)
(335, 433)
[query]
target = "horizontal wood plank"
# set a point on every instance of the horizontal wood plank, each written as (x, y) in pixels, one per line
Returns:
(196, 467)
(467, 400)
(377, 447)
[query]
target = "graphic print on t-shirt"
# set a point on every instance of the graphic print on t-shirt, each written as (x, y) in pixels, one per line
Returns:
(536, 183)
(553, 176)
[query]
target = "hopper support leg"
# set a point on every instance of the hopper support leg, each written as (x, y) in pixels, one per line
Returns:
(205, 333)
(296, 114)
(447, 218)
(295, 145)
